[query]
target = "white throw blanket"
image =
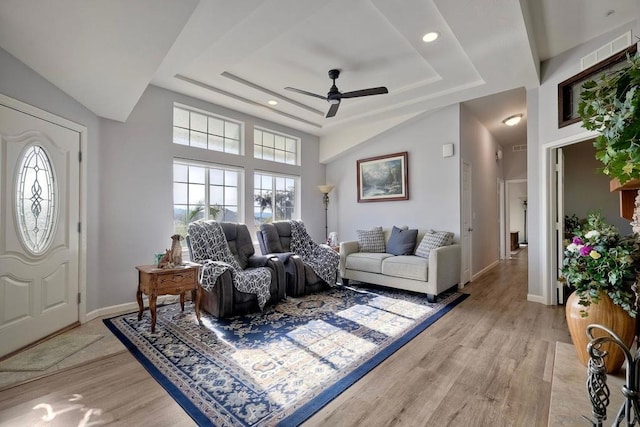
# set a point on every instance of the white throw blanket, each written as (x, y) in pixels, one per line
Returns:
(209, 247)
(321, 258)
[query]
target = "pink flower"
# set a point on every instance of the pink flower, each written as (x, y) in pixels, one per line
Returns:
(586, 250)
(577, 241)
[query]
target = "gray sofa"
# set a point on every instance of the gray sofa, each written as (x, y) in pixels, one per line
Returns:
(431, 276)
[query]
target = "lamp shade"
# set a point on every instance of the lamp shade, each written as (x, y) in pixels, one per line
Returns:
(325, 189)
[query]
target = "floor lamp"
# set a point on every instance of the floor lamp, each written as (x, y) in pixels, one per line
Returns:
(325, 190)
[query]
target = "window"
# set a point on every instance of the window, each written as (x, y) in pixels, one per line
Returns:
(202, 130)
(275, 147)
(36, 194)
(202, 190)
(570, 89)
(275, 197)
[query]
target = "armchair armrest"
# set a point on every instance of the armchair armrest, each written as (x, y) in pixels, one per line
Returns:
(347, 248)
(258, 260)
(277, 267)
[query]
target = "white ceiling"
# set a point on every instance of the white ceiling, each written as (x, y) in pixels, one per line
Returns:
(240, 54)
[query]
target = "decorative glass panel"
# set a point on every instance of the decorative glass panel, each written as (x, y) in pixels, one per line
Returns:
(36, 194)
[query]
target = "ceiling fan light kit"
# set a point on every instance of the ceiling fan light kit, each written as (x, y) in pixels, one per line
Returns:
(334, 96)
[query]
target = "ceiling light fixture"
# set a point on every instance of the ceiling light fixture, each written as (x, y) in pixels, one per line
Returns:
(272, 102)
(430, 37)
(512, 120)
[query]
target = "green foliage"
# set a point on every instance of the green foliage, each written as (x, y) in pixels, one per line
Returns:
(572, 223)
(198, 212)
(611, 106)
(598, 259)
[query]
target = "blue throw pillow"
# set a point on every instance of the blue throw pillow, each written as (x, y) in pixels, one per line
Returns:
(402, 241)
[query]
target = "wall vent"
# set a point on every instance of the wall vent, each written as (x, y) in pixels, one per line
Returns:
(521, 147)
(617, 45)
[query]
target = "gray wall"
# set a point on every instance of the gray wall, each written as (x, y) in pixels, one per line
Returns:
(129, 188)
(515, 162)
(136, 166)
(587, 190)
(434, 181)
(479, 148)
(542, 129)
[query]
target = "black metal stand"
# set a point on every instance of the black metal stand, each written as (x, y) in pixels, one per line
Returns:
(325, 201)
(629, 412)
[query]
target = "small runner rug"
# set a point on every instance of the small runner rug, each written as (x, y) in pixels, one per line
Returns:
(48, 353)
(282, 366)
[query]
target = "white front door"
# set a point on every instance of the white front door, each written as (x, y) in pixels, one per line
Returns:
(39, 234)
(467, 223)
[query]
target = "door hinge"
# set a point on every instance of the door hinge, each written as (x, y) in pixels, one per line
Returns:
(79, 227)
(80, 156)
(79, 297)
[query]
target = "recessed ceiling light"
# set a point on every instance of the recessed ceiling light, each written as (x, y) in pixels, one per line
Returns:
(272, 102)
(430, 37)
(512, 120)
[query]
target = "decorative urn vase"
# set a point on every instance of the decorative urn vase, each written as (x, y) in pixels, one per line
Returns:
(604, 313)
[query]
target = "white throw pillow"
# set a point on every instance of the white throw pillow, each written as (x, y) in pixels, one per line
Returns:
(432, 240)
(371, 240)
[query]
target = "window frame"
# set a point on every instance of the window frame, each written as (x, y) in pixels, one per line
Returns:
(566, 114)
(274, 175)
(208, 114)
(285, 151)
(207, 184)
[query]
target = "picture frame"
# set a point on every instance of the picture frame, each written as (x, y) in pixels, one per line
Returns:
(383, 178)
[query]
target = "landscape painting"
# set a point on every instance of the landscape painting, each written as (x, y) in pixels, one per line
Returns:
(383, 178)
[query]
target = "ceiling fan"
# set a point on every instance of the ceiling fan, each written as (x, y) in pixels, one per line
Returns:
(334, 95)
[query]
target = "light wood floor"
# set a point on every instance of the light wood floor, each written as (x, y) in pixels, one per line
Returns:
(488, 362)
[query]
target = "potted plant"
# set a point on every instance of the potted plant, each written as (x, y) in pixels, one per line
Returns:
(602, 267)
(611, 106)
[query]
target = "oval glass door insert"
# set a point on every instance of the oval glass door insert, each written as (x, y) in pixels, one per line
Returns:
(36, 195)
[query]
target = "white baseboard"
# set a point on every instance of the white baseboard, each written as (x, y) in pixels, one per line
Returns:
(536, 298)
(485, 270)
(127, 307)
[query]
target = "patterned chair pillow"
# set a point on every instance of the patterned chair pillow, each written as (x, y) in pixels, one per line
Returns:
(433, 240)
(371, 240)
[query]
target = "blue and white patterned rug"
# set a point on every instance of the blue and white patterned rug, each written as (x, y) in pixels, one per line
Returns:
(282, 366)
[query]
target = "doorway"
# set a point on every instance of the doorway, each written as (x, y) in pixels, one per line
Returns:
(40, 240)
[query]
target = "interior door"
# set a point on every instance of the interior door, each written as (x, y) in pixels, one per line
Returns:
(467, 223)
(39, 228)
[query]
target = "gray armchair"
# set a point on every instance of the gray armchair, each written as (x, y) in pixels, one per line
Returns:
(275, 240)
(223, 299)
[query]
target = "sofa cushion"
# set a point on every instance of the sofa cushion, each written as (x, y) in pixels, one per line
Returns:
(402, 241)
(406, 266)
(371, 240)
(366, 261)
(432, 240)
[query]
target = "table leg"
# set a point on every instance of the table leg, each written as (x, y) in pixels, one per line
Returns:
(197, 302)
(182, 300)
(152, 308)
(140, 304)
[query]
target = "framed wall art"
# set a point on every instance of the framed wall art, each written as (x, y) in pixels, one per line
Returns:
(383, 178)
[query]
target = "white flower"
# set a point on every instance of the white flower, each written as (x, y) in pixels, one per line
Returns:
(572, 247)
(592, 234)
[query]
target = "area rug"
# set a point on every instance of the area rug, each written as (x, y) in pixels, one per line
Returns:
(281, 366)
(44, 355)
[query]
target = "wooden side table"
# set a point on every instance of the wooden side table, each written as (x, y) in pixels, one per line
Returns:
(154, 281)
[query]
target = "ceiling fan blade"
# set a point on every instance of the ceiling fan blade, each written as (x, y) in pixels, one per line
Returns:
(304, 92)
(366, 92)
(333, 110)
